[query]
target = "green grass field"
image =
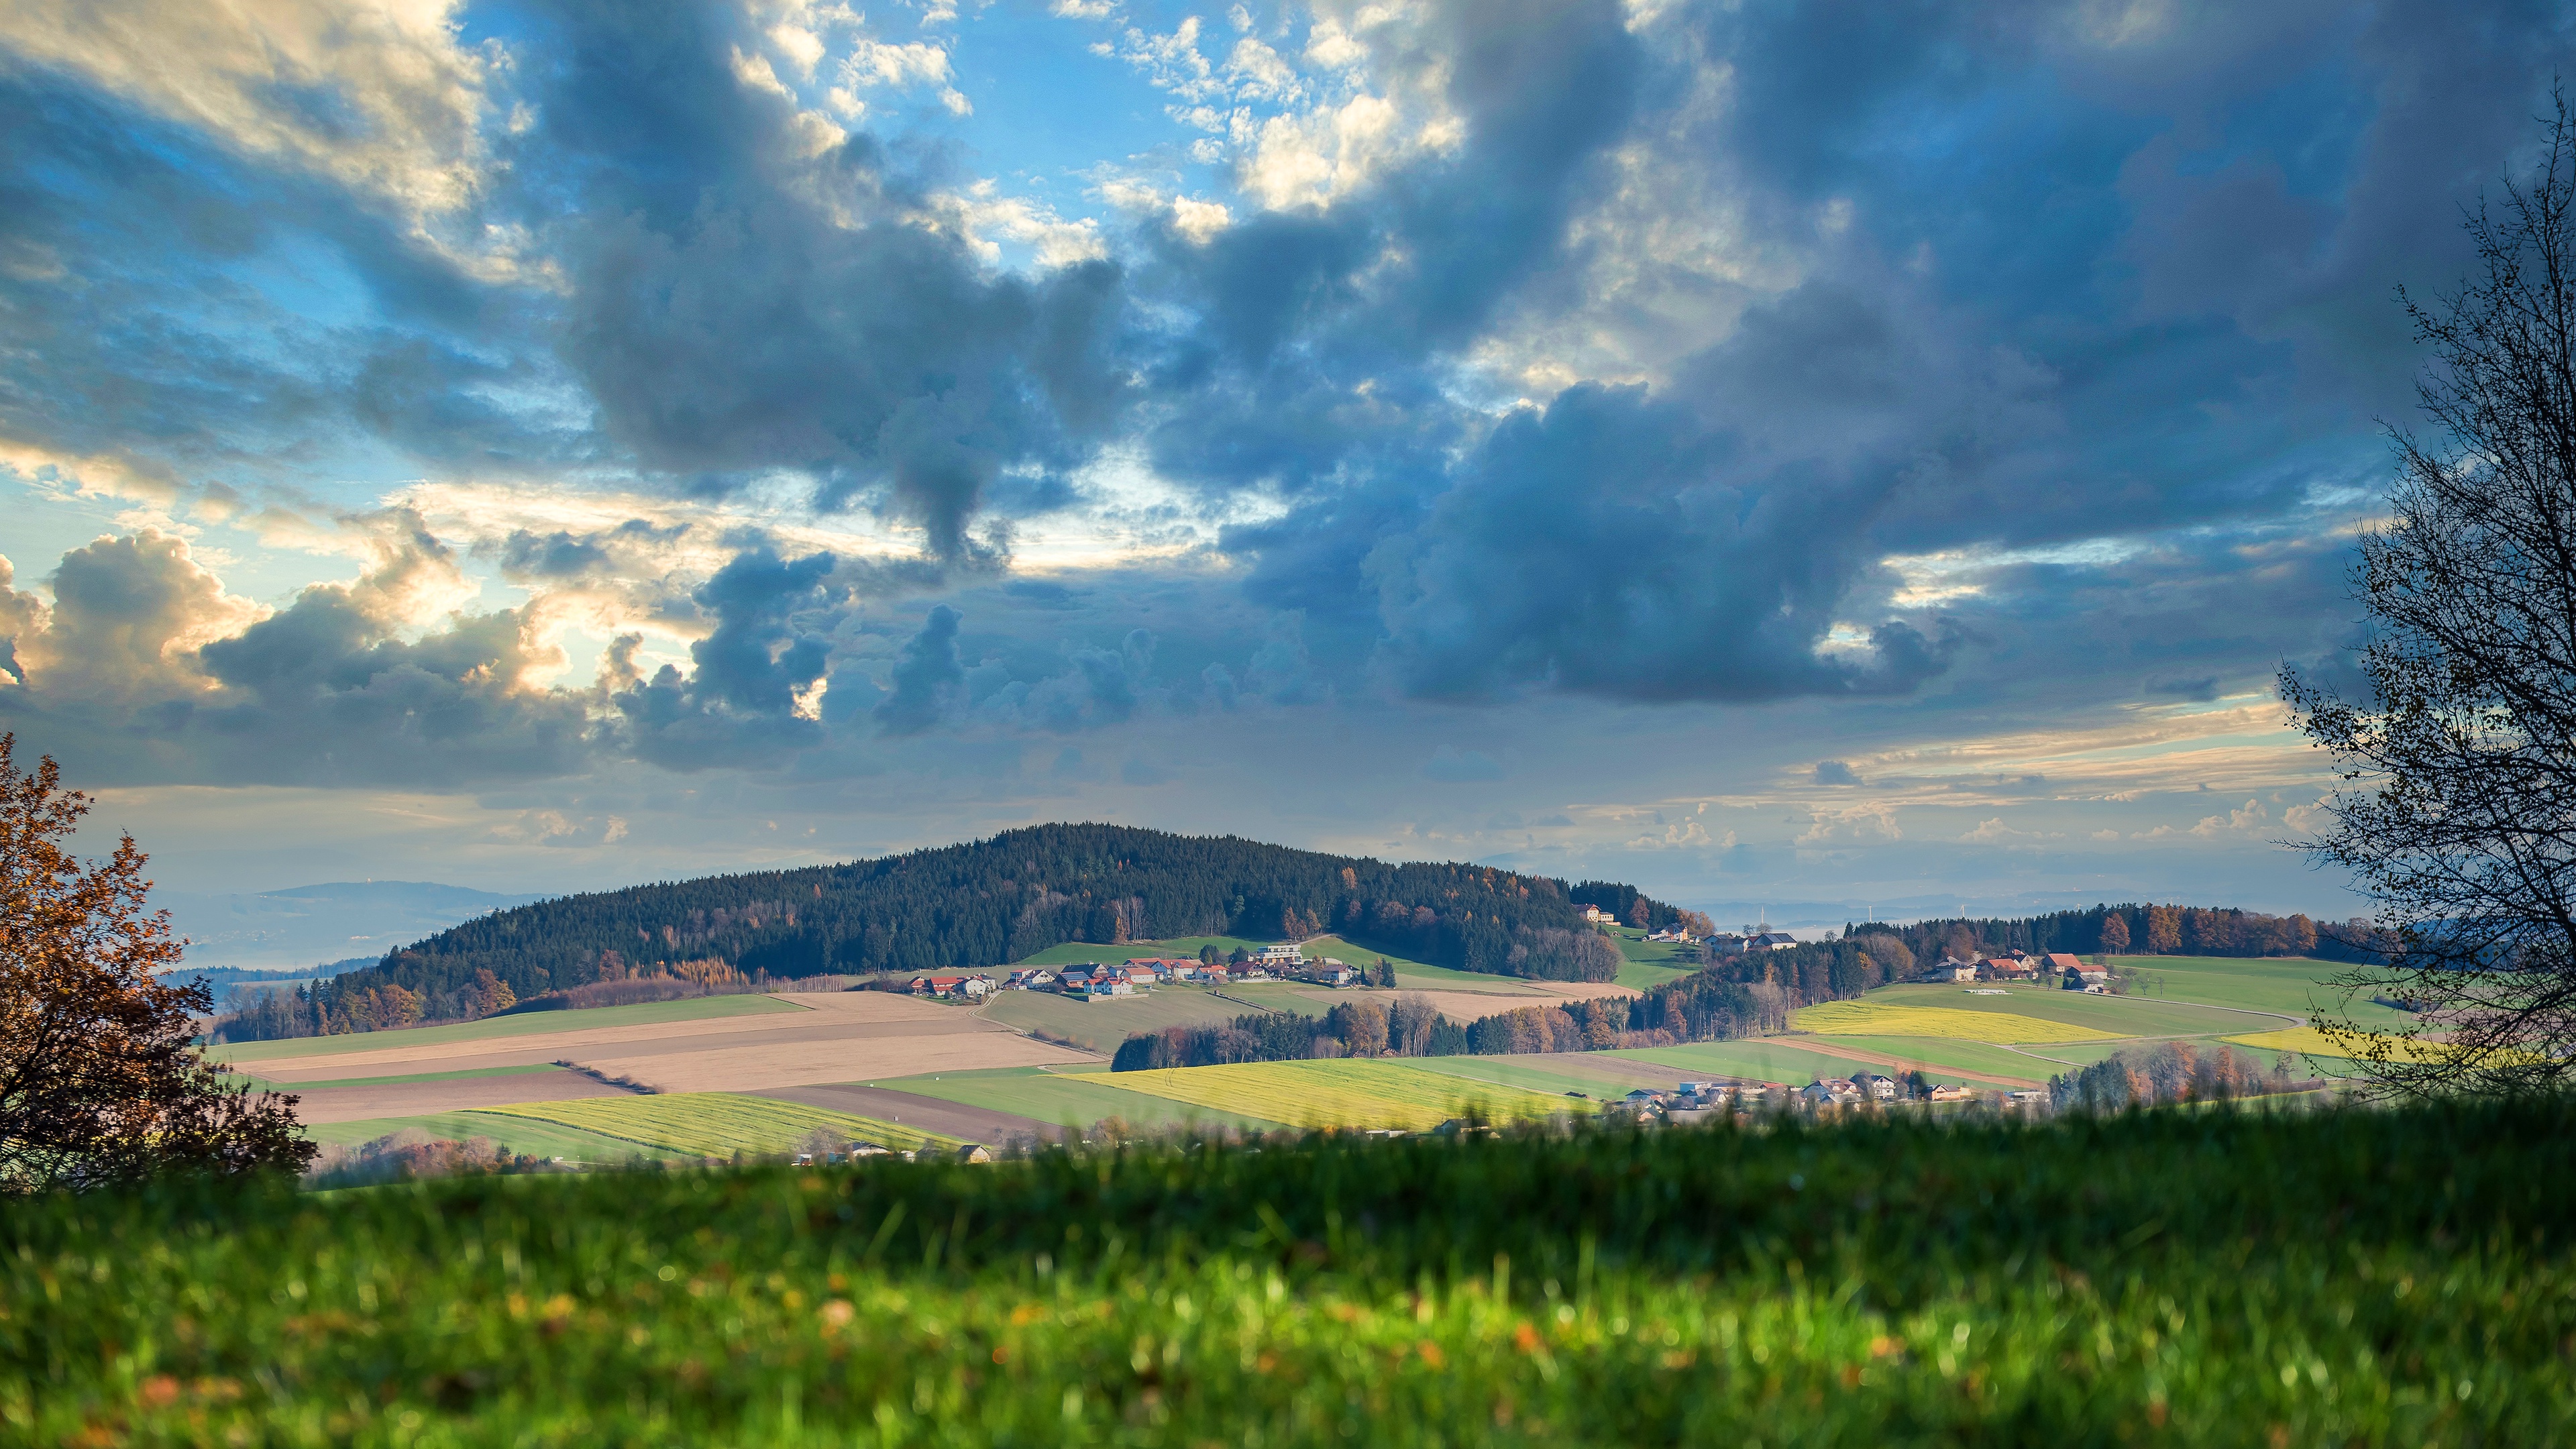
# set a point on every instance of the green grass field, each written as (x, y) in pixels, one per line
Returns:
(2291, 986)
(713, 1124)
(1064, 1100)
(1102, 1025)
(523, 1136)
(2117, 1015)
(1522, 1073)
(2165, 1279)
(1379, 1093)
(1776, 1059)
(1878, 1016)
(456, 1076)
(1977, 1062)
(531, 1023)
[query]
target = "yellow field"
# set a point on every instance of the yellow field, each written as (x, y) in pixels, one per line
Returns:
(1870, 1018)
(716, 1124)
(1341, 1093)
(2312, 1042)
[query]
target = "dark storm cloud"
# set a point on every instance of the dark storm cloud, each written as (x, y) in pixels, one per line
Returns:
(926, 678)
(740, 306)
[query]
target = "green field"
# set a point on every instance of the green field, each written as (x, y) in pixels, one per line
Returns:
(2165, 1278)
(456, 1076)
(1069, 1101)
(1378, 1093)
(714, 1124)
(2289, 986)
(1978, 1062)
(1775, 1059)
(1552, 1080)
(695, 1008)
(2117, 1015)
(521, 1136)
(1102, 1025)
(1880, 1016)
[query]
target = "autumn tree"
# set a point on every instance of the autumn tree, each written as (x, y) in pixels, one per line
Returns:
(98, 1082)
(2115, 933)
(2457, 746)
(2164, 930)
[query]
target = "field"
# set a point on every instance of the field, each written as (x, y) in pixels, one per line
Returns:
(2288, 987)
(1071, 1100)
(500, 1028)
(1650, 963)
(2228, 1279)
(1798, 1061)
(715, 1124)
(524, 1136)
(1885, 1018)
(403, 1079)
(1102, 1025)
(1371, 1093)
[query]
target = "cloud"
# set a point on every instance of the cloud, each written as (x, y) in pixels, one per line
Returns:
(1835, 772)
(927, 678)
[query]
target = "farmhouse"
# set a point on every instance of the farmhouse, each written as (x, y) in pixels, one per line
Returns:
(1771, 941)
(1950, 969)
(1879, 1087)
(949, 984)
(2013, 966)
(1594, 915)
(1284, 954)
(1723, 943)
(1832, 1092)
(2084, 976)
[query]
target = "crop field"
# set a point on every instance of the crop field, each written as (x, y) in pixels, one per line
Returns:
(1882, 1018)
(1594, 1074)
(2183, 1279)
(498, 1028)
(714, 1124)
(519, 1135)
(1372, 1093)
(2117, 1015)
(2309, 1041)
(1978, 1063)
(1796, 1061)
(470, 1074)
(1069, 1100)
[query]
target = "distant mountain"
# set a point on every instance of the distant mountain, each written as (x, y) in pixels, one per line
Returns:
(304, 926)
(990, 903)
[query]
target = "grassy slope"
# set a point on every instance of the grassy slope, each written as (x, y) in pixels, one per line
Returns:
(1774, 1059)
(1379, 1093)
(2118, 1015)
(525, 1024)
(2294, 987)
(1049, 1097)
(1102, 1025)
(714, 1124)
(457, 1076)
(1519, 1072)
(2164, 1279)
(1650, 963)
(531, 1138)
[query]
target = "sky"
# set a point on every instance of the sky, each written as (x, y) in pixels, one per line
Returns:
(1851, 458)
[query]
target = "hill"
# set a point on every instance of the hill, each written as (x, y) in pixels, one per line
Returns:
(984, 904)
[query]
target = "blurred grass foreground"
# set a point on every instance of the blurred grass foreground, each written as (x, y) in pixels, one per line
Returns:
(2210, 1277)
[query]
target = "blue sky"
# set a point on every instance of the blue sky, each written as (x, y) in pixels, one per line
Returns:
(1854, 455)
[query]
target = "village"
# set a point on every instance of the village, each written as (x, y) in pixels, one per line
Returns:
(1100, 980)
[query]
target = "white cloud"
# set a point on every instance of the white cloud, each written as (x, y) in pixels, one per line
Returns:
(1873, 821)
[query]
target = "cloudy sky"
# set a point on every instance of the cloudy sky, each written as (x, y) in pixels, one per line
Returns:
(1874, 453)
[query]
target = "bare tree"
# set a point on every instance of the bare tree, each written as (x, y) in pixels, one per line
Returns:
(2458, 810)
(98, 1083)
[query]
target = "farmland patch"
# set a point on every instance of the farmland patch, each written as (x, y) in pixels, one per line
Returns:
(1067, 1100)
(1340, 1093)
(717, 1124)
(1880, 1018)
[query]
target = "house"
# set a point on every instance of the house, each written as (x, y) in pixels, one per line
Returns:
(1074, 978)
(1329, 973)
(1105, 981)
(2059, 963)
(1950, 969)
(1880, 1088)
(1771, 941)
(1833, 1092)
(1723, 943)
(1952, 1094)
(1029, 978)
(1284, 954)
(1594, 915)
(950, 984)
(2011, 966)
(2084, 976)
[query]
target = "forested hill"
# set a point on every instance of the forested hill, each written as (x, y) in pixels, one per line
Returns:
(986, 904)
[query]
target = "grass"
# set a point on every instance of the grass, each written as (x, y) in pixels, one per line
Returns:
(1342, 1093)
(1102, 1025)
(713, 1124)
(2226, 1279)
(1774, 1059)
(2309, 1041)
(1517, 1072)
(2114, 1015)
(1069, 1101)
(456, 1076)
(646, 1013)
(1884, 1018)
(1978, 1062)
(517, 1135)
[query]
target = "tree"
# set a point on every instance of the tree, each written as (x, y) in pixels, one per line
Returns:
(2457, 745)
(2164, 930)
(2115, 933)
(98, 1083)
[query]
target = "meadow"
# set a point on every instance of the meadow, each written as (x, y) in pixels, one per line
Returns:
(500, 1028)
(716, 1124)
(1075, 1101)
(1375, 1093)
(2210, 1278)
(1886, 1018)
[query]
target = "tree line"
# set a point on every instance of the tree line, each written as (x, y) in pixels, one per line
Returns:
(978, 905)
(2144, 930)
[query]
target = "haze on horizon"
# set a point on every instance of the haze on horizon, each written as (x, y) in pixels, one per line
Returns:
(1778, 453)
